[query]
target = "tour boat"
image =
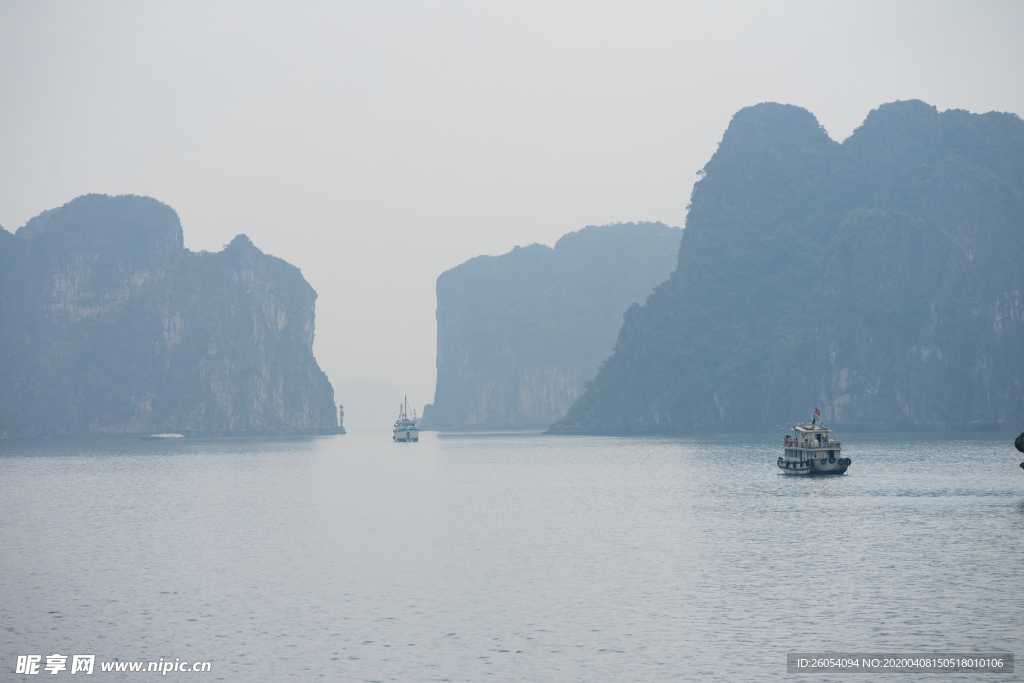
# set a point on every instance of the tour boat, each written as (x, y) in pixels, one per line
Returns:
(810, 451)
(406, 429)
(163, 437)
(189, 434)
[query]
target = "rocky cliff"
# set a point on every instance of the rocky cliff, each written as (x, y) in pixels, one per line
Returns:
(109, 326)
(878, 280)
(519, 335)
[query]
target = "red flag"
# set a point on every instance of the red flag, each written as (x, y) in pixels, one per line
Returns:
(816, 412)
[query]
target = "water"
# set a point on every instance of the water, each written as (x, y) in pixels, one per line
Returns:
(506, 557)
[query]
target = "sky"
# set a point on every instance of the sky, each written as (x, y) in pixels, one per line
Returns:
(376, 145)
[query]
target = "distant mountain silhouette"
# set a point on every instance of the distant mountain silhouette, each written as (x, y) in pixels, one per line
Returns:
(108, 325)
(879, 280)
(519, 335)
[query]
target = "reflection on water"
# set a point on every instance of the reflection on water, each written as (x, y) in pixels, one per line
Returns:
(507, 556)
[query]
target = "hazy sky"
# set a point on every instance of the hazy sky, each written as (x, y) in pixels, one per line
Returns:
(375, 145)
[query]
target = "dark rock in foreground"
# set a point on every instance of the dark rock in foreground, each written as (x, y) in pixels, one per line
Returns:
(109, 326)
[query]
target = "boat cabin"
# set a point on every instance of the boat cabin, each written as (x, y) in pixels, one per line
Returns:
(809, 435)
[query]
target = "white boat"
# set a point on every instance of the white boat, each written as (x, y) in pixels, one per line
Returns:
(406, 429)
(810, 451)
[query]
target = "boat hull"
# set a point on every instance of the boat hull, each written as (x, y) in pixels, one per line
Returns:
(406, 435)
(826, 466)
(810, 462)
(794, 467)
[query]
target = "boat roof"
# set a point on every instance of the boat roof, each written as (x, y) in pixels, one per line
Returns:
(807, 427)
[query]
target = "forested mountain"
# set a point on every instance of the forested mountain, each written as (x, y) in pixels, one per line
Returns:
(519, 335)
(879, 280)
(108, 325)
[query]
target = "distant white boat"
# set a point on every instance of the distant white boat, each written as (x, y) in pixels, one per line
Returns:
(406, 429)
(163, 437)
(810, 451)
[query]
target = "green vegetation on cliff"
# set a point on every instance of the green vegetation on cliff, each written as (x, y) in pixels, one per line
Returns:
(108, 325)
(518, 335)
(878, 279)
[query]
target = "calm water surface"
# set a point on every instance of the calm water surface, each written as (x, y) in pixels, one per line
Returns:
(507, 557)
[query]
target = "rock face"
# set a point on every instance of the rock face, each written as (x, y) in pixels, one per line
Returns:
(519, 335)
(109, 326)
(878, 280)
